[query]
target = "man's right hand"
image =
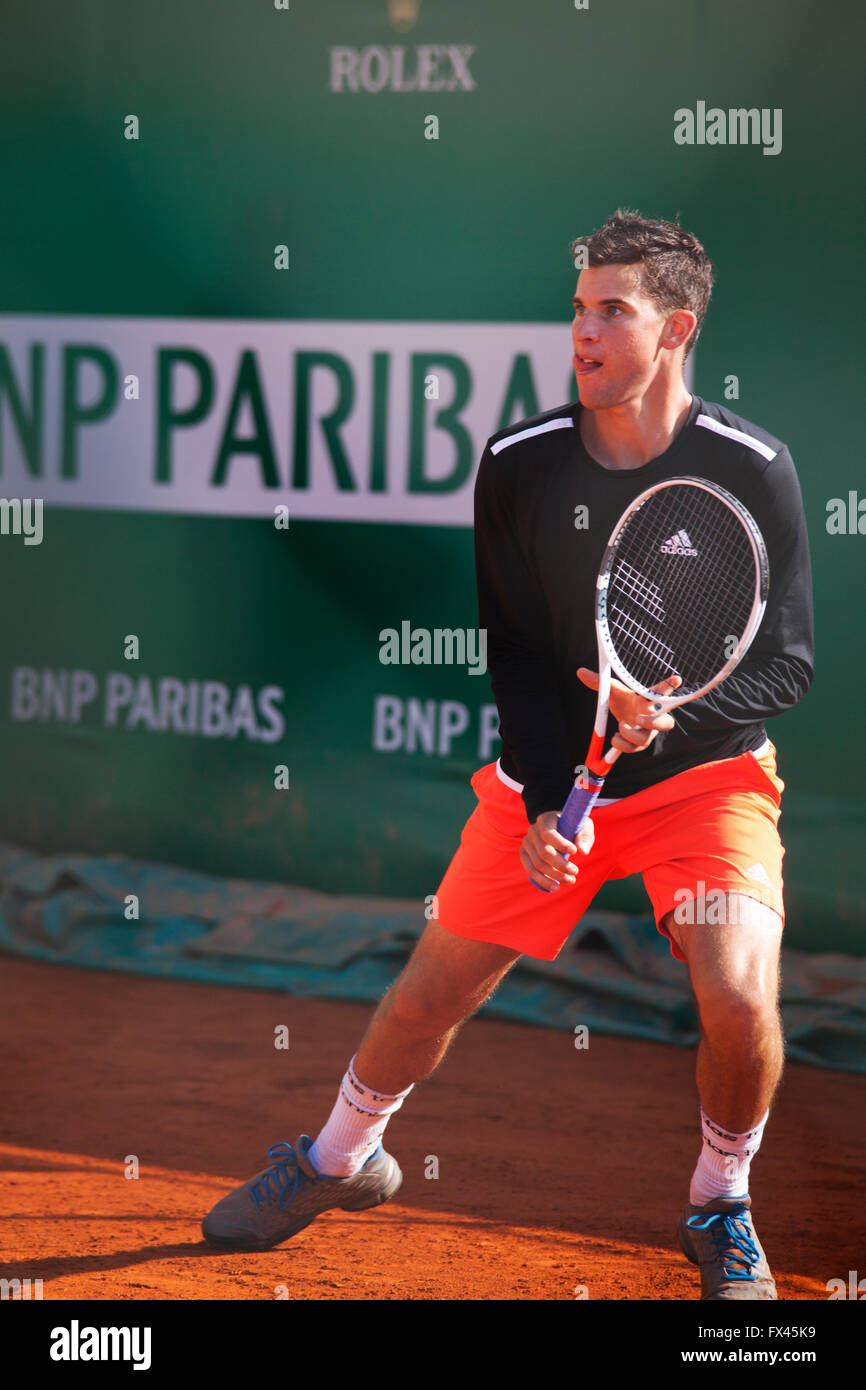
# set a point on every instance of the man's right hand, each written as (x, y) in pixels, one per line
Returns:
(543, 851)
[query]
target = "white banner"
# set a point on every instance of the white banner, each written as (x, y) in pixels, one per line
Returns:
(376, 422)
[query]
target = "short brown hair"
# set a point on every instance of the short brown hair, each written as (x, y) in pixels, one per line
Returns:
(677, 273)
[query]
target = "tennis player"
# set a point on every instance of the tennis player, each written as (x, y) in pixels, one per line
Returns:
(695, 809)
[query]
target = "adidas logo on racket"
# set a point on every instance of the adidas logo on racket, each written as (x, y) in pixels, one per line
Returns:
(678, 545)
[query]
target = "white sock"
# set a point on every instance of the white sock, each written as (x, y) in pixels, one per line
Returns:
(354, 1127)
(723, 1167)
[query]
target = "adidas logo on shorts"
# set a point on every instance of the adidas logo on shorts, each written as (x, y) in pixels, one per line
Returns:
(759, 873)
(678, 545)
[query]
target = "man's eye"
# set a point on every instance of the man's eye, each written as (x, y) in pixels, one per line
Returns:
(614, 309)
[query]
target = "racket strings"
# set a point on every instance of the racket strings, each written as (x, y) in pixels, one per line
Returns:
(681, 588)
(645, 593)
(639, 638)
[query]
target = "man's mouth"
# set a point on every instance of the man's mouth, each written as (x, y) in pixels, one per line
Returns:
(583, 365)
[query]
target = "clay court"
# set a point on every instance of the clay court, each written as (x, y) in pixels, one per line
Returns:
(541, 1201)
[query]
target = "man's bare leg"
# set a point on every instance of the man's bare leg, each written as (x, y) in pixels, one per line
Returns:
(446, 980)
(734, 969)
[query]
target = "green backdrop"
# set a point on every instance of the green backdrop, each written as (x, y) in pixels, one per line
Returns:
(244, 146)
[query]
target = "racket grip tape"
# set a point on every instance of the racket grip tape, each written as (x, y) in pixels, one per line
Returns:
(576, 810)
(582, 797)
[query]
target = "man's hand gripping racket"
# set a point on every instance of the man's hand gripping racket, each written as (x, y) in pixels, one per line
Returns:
(680, 596)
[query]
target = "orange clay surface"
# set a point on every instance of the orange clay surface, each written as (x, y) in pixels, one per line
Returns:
(560, 1170)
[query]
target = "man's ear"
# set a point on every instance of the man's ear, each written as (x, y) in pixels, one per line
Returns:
(679, 329)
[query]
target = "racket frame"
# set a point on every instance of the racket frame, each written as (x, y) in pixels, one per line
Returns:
(590, 779)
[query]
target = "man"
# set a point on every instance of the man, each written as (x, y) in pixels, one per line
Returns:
(696, 814)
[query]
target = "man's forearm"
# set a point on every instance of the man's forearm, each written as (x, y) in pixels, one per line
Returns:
(760, 688)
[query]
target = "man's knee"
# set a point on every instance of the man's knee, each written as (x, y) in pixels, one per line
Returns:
(446, 979)
(737, 1013)
(734, 969)
(417, 1006)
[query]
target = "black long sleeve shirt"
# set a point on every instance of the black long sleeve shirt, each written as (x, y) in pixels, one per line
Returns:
(536, 568)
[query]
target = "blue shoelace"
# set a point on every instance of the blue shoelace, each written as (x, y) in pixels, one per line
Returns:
(732, 1237)
(276, 1183)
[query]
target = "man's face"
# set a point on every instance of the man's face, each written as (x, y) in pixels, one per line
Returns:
(617, 325)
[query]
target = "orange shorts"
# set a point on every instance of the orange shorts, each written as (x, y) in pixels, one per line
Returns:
(711, 829)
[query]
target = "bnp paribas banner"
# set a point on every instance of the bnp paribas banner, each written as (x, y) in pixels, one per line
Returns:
(239, 622)
(363, 422)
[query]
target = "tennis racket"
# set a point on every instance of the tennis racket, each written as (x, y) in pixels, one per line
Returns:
(681, 591)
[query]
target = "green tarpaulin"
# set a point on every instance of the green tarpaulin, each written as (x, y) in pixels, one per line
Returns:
(616, 973)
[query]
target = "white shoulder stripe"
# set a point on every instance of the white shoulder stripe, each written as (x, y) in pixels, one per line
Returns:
(741, 437)
(563, 424)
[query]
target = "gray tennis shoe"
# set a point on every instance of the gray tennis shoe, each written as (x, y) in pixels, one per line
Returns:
(289, 1194)
(720, 1238)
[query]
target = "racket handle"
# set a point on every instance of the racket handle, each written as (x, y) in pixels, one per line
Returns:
(581, 800)
(576, 810)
